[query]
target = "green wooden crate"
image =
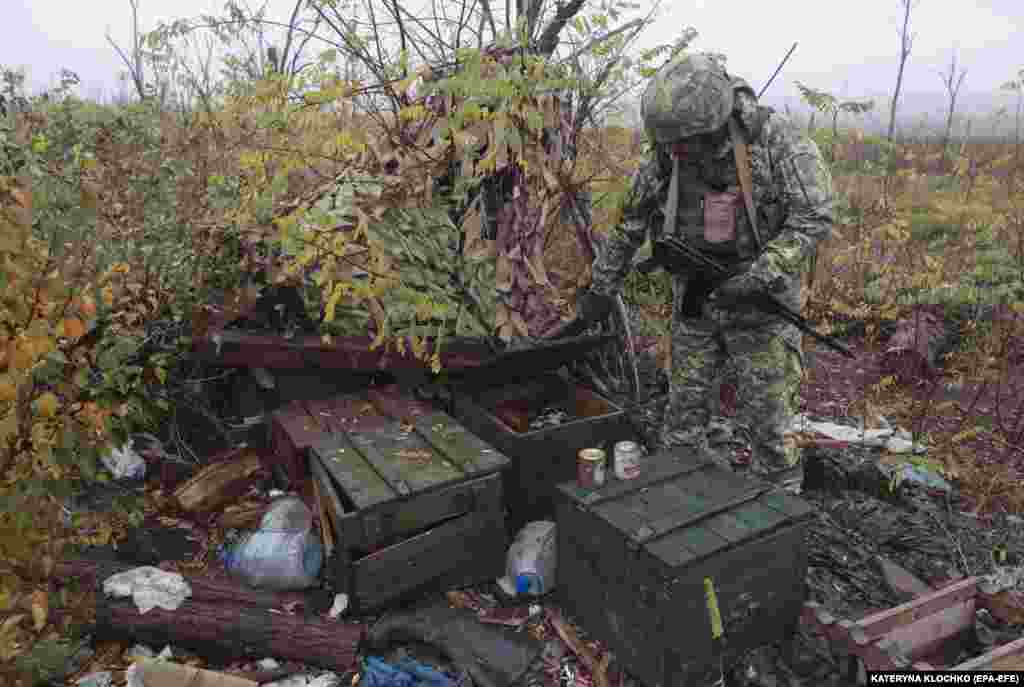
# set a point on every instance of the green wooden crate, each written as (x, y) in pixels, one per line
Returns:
(633, 556)
(414, 498)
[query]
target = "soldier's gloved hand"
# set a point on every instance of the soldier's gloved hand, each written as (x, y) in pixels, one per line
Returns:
(744, 287)
(592, 307)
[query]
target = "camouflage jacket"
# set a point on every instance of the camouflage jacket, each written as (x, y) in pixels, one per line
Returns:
(792, 187)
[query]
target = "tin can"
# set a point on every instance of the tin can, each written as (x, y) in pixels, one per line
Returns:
(627, 459)
(590, 467)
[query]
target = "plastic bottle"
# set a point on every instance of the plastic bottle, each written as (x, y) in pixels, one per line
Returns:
(531, 559)
(284, 554)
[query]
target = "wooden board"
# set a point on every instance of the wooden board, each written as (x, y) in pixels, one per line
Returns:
(465, 548)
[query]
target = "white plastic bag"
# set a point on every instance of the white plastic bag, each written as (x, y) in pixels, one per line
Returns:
(125, 462)
(149, 587)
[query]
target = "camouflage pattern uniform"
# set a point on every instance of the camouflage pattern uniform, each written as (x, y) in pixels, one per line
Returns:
(792, 191)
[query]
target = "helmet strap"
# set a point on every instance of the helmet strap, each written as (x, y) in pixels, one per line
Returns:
(672, 206)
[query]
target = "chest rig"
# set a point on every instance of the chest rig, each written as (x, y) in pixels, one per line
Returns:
(710, 202)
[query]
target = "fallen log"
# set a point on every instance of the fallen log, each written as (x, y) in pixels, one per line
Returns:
(234, 630)
(915, 349)
(205, 588)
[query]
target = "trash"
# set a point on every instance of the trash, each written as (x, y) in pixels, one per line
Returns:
(917, 474)
(307, 680)
(508, 616)
(1003, 579)
(125, 462)
(102, 679)
(407, 672)
(149, 588)
(531, 562)
(549, 417)
(139, 651)
(283, 554)
(219, 483)
(596, 665)
(155, 673)
(340, 605)
(893, 441)
(267, 664)
(493, 656)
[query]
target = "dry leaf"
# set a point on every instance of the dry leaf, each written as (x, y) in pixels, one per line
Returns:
(73, 328)
(40, 609)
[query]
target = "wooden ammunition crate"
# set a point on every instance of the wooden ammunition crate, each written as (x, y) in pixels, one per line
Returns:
(633, 556)
(413, 498)
(540, 457)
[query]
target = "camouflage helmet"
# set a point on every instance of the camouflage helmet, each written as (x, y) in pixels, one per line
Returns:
(690, 95)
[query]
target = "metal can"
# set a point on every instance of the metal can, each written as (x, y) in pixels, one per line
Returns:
(590, 468)
(627, 459)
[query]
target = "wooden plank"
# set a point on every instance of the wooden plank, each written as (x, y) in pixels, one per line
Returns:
(347, 413)
(292, 432)
(399, 455)
(787, 504)
(886, 621)
(328, 492)
(355, 476)
(326, 521)
(450, 438)
(697, 540)
(405, 516)
(396, 404)
(1009, 656)
(403, 458)
(924, 636)
(702, 509)
(238, 348)
(444, 434)
(730, 528)
(398, 569)
(759, 516)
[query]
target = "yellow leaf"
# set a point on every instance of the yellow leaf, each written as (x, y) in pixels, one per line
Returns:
(8, 391)
(46, 405)
(40, 609)
(20, 355)
(73, 328)
(10, 624)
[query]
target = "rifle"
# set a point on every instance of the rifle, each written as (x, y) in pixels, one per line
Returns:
(677, 256)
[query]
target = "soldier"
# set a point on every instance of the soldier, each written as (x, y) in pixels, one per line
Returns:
(708, 130)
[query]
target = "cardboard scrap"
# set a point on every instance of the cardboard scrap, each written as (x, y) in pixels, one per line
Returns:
(217, 484)
(155, 673)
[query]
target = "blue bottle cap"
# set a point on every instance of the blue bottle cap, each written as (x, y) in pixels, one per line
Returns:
(523, 583)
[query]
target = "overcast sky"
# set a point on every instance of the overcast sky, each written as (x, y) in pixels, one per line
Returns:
(845, 47)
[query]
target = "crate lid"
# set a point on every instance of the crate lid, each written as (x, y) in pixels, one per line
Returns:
(515, 363)
(383, 444)
(683, 508)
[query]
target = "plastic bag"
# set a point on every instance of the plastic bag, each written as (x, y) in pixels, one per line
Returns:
(284, 554)
(125, 462)
(149, 587)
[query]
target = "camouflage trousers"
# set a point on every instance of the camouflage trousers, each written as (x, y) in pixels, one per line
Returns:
(763, 359)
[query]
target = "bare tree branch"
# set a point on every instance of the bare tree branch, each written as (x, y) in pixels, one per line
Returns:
(488, 14)
(906, 45)
(548, 41)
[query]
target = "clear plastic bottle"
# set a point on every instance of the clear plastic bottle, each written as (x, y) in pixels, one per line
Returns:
(531, 563)
(284, 554)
